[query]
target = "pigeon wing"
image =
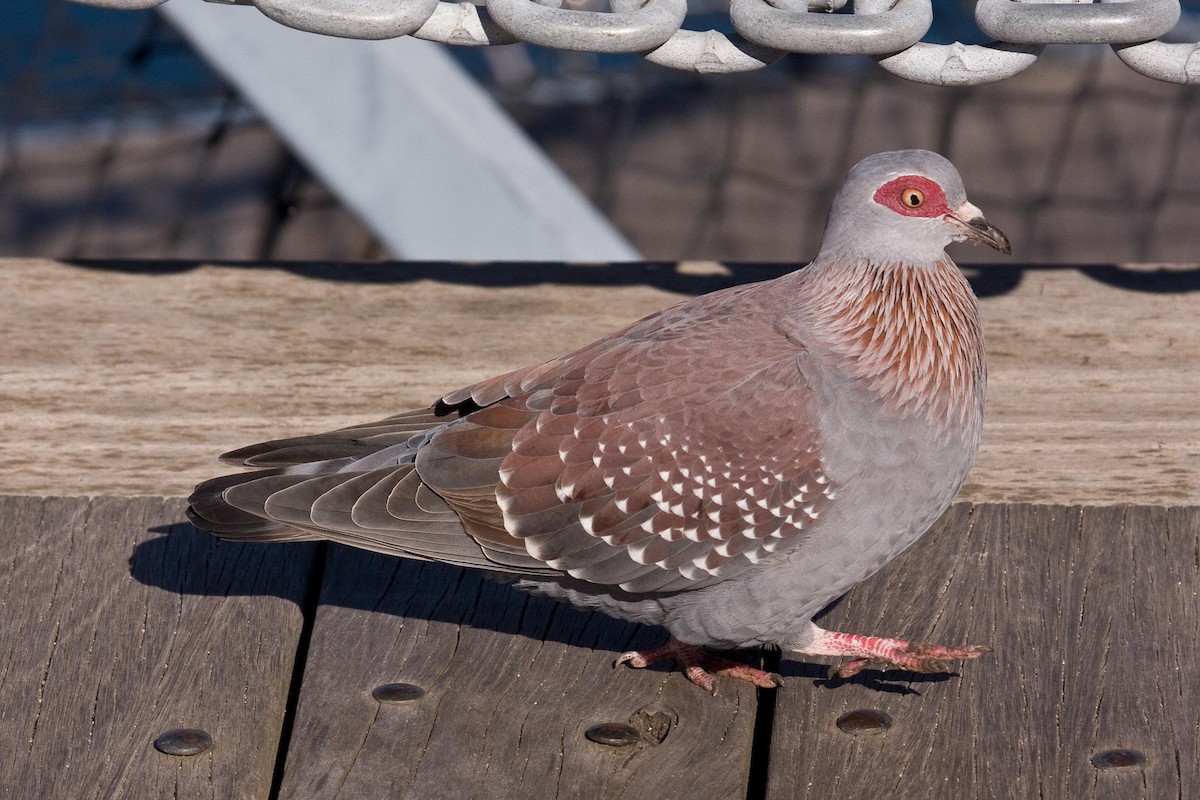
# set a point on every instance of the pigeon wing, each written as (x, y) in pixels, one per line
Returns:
(674, 454)
(652, 461)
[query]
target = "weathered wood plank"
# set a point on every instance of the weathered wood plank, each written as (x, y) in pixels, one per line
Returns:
(1095, 613)
(512, 683)
(1181, 650)
(242, 353)
(1130, 621)
(1095, 620)
(112, 633)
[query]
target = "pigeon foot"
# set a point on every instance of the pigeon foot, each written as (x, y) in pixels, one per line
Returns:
(699, 665)
(874, 650)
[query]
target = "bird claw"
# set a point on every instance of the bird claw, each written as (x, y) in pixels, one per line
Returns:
(636, 658)
(699, 665)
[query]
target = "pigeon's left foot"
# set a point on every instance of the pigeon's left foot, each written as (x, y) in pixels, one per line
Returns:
(868, 650)
(699, 665)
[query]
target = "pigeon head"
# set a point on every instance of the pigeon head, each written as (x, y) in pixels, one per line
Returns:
(905, 205)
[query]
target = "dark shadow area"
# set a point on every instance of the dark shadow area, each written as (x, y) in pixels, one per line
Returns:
(1157, 281)
(186, 560)
(988, 280)
(662, 275)
(890, 681)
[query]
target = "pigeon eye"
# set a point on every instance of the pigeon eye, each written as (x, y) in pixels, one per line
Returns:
(912, 198)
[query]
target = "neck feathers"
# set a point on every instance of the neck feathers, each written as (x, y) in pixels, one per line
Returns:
(910, 334)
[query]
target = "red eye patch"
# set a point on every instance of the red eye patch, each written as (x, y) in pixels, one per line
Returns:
(897, 195)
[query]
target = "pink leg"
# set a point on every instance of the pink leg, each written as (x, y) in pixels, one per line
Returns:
(867, 650)
(698, 665)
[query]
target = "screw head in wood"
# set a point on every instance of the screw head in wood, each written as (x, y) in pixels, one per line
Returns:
(1118, 759)
(864, 720)
(398, 693)
(183, 742)
(613, 734)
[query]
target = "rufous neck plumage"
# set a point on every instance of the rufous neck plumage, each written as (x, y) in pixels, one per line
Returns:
(910, 333)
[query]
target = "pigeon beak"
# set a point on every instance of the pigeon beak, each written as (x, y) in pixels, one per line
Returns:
(978, 230)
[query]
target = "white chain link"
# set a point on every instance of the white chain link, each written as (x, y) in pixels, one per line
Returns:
(802, 31)
(889, 30)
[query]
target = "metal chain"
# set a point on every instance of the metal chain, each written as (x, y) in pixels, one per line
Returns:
(888, 30)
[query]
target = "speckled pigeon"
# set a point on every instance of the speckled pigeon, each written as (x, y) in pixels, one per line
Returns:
(723, 468)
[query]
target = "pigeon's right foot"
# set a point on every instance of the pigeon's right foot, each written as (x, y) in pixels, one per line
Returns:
(699, 665)
(897, 653)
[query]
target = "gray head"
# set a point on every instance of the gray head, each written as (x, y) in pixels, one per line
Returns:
(905, 205)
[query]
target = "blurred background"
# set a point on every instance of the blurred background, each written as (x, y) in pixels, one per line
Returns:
(119, 140)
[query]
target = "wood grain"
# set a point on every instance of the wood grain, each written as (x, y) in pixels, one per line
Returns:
(119, 624)
(113, 633)
(131, 377)
(1093, 613)
(512, 683)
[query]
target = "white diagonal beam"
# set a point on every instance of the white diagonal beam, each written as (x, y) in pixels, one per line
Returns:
(406, 140)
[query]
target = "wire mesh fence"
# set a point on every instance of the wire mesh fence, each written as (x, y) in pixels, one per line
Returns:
(118, 141)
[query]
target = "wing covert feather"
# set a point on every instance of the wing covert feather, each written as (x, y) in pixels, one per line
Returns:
(657, 460)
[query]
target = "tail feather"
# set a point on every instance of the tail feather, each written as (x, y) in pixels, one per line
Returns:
(388, 511)
(208, 510)
(355, 441)
(358, 486)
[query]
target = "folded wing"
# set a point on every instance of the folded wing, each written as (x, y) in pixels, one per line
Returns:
(649, 461)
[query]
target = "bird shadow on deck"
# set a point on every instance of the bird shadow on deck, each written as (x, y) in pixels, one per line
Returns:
(988, 280)
(356, 579)
(891, 681)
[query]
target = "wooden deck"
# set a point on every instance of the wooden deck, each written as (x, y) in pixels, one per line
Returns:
(121, 622)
